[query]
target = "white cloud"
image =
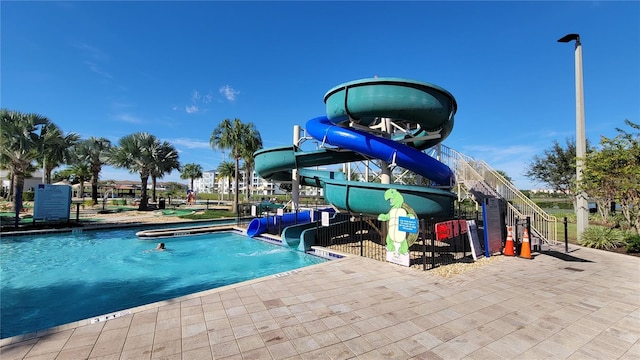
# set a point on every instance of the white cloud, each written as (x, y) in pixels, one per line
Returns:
(128, 118)
(92, 52)
(94, 58)
(190, 143)
(195, 96)
(96, 69)
(198, 99)
(229, 93)
(207, 98)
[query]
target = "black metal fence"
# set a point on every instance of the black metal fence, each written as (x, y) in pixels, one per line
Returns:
(363, 235)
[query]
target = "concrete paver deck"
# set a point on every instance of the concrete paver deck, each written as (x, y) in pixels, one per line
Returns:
(582, 306)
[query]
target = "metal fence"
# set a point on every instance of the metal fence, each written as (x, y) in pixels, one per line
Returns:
(363, 235)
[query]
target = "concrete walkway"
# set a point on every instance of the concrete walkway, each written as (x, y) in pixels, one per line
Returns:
(582, 306)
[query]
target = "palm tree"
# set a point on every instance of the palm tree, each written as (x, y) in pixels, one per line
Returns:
(94, 153)
(226, 170)
(253, 143)
(79, 174)
(135, 152)
(56, 148)
(234, 136)
(165, 161)
(191, 171)
(20, 145)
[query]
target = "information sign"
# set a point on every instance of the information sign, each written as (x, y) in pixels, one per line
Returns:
(474, 241)
(408, 224)
(52, 202)
(325, 218)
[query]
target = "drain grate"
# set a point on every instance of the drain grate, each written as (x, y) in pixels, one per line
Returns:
(110, 316)
(573, 269)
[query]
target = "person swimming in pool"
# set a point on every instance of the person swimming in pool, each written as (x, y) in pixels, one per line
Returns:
(160, 247)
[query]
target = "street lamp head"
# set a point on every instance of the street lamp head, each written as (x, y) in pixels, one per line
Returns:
(569, 37)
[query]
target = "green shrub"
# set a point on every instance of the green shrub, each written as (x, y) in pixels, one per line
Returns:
(28, 196)
(600, 237)
(632, 242)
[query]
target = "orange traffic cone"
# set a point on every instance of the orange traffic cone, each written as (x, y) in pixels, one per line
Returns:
(508, 246)
(525, 250)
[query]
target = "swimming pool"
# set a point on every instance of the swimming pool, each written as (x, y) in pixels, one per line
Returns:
(49, 280)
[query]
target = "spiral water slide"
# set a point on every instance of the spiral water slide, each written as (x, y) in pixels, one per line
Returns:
(422, 115)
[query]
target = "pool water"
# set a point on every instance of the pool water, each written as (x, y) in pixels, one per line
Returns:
(49, 280)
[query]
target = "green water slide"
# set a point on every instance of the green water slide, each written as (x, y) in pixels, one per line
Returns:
(424, 111)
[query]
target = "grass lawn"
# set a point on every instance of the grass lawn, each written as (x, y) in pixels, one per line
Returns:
(210, 214)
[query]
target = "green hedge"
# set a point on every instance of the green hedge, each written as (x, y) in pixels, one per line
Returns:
(28, 195)
(568, 205)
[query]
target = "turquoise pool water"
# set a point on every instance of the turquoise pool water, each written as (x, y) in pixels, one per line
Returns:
(50, 280)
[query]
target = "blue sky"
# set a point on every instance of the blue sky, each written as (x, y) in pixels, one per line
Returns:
(176, 69)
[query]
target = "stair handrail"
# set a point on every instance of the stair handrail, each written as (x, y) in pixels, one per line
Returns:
(502, 186)
(540, 217)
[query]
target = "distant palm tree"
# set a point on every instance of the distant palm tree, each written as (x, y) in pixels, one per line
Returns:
(135, 152)
(20, 146)
(165, 161)
(79, 174)
(191, 171)
(56, 148)
(94, 153)
(226, 170)
(252, 144)
(234, 136)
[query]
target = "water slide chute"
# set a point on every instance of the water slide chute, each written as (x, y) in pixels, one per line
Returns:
(258, 226)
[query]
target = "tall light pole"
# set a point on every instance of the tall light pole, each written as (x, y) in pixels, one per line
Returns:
(582, 206)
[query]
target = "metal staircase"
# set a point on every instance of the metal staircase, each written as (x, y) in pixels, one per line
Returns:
(477, 180)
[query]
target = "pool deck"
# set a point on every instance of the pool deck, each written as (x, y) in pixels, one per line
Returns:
(581, 305)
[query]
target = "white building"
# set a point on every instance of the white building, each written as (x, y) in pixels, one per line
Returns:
(206, 184)
(30, 180)
(211, 183)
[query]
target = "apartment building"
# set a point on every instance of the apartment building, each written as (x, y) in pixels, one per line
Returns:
(210, 183)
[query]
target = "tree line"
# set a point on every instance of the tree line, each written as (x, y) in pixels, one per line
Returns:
(611, 173)
(30, 141)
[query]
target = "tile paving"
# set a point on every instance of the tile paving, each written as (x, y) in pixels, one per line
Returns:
(358, 308)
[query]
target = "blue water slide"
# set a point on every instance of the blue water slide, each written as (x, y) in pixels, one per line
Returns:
(381, 148)
(258, 226)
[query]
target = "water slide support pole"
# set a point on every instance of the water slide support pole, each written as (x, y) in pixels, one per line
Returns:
(385, 172)
(366, 172)
(295, 185)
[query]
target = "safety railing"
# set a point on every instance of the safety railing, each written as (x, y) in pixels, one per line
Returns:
(469, 172)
